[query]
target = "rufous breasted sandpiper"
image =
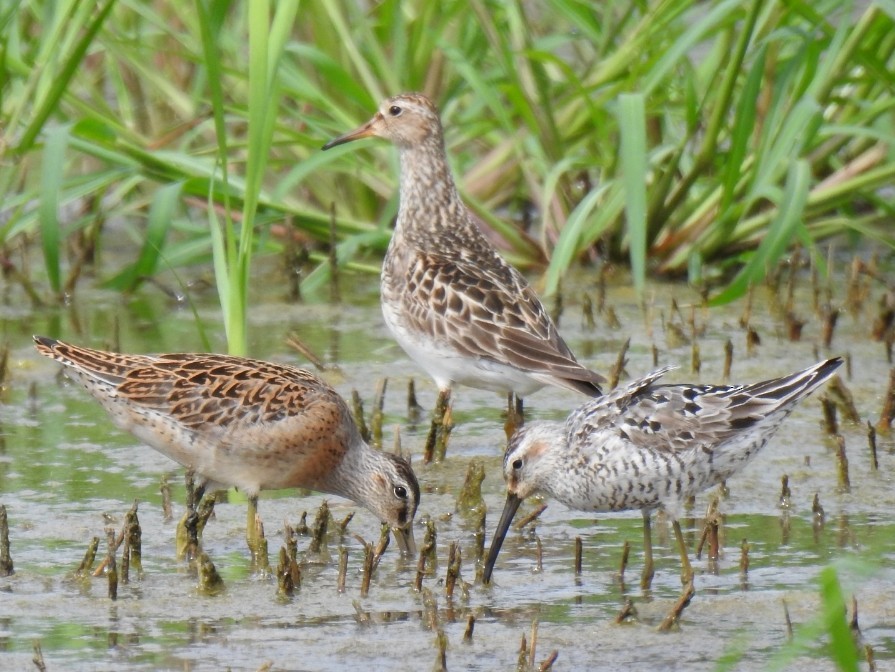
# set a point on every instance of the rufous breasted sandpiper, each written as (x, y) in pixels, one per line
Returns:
(246, 423)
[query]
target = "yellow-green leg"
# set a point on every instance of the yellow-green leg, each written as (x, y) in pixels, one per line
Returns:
(646, 579)
(686, 568)
(515, 415)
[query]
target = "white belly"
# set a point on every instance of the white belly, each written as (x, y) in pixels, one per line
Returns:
(447, 367)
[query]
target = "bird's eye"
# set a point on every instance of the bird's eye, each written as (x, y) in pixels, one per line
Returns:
(517, 464)
(400, 492)
(395, 111)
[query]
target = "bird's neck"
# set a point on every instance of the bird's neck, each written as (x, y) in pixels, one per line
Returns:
(350, 478)
(429, 196)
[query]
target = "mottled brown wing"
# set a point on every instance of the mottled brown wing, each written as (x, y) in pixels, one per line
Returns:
(489, 313)
(232, 393)
(207, 392)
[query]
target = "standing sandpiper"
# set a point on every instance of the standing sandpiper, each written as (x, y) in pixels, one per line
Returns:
(451, 301)
(645, 445)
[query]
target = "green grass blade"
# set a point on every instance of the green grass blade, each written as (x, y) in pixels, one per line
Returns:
(161, 213)
(842, 643)
(223, 259)
(211, 22)
(51, 186)
(61, 80)
(264, 59)
(782, 229)
(741, 134)
(686, 42)
(580, 232)
(358, 59)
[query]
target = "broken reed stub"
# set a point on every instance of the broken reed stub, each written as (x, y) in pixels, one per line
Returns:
(378, 414)
(627, 611)
(470, 627)
(453, 569)
(210, 582)
(111, 566)
(86, 566)
(6, 564)
(623, 565)
(469, 500)
(357, 412)
(842, 464)
(744, 557)
(871, 441)
(884, 424)
(442, 402)
(343, 569)
(321, 524)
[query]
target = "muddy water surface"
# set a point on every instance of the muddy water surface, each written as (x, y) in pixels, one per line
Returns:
(66, 473)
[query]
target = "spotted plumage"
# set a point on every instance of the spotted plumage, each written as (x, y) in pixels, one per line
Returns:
(647, 445)
(245, 423)
(450, 300)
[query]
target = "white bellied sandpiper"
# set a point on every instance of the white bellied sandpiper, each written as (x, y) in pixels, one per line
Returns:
(451, 301)
(646, 445)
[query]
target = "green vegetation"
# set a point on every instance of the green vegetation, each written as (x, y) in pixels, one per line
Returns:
(830, 628)
(684, 136)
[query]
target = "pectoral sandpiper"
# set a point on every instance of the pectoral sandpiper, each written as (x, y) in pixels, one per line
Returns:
(246, 423)
(451, 301)
(645, 445)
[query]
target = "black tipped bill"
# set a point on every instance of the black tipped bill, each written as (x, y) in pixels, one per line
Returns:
(405, 540)
(364, 131)
(509, 510)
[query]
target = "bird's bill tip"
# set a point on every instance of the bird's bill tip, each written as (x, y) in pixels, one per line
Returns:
(406, 542)
(509, 510)
(364, 131)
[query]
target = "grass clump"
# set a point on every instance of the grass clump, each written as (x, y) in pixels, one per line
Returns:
(679, 136)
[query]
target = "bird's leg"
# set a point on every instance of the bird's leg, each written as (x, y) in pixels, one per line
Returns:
(646, 579)
(436, 428)
(515, 414)
(509, 427)
(686, 568)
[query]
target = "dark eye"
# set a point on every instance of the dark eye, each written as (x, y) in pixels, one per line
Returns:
(400, 492)
(517, 464)
(395, 111)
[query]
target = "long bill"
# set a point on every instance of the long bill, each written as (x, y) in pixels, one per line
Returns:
(509, 510)
(405, 540)
(364, 131)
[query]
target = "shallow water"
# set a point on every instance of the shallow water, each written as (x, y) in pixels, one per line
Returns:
(63, 466)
